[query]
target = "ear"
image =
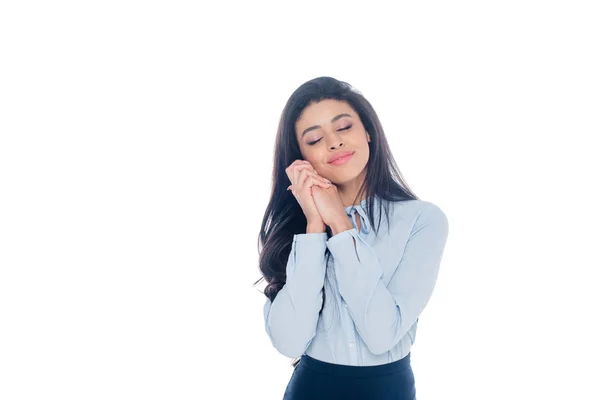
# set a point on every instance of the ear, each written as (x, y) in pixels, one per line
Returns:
(368, 137)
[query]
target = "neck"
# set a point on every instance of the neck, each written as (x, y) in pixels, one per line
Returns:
(349, 191)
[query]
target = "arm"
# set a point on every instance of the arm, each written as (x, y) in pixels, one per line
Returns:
(382, 315)
(291, 319)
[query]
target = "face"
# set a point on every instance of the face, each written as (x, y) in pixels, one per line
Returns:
(327, 128)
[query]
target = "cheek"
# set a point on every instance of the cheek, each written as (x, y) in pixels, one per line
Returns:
(314, 157)
(365, 154)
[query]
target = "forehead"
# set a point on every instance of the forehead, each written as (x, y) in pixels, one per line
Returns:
(322, 112)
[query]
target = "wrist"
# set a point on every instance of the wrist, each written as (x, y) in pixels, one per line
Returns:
(341, 226)
(315, 227)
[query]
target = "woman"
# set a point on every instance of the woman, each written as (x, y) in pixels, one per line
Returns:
(342, 296)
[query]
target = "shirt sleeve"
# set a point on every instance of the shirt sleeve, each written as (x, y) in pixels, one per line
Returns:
(291, 318)
(384, 314)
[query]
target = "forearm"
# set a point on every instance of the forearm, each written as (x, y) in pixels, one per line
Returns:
(341, 225)
(384, 312)
(291, 318)
(291, 322)
(315, 227)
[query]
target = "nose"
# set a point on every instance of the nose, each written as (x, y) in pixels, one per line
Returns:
(335, 142)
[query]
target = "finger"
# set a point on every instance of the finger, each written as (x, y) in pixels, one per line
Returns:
(318, 179)
(305, 166)
(296, 172)
(289, 170)
(321, 183)
(314, 172)
(317, 174)
(295, 175)
(314, 179)
(298, 181)
(302, 179)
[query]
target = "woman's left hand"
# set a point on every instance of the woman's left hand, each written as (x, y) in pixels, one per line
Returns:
(329, 204)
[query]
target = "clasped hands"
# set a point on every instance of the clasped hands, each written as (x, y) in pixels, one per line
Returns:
(324, 195)
(329, 205)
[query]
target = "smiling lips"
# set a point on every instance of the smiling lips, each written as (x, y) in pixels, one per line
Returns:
(341, 158)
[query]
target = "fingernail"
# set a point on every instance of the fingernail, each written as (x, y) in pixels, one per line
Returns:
(305, 162)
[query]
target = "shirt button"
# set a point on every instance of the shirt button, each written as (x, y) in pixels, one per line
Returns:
(351, 344)
(345, 305)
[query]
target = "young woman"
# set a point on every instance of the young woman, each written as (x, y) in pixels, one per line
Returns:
(344, 294)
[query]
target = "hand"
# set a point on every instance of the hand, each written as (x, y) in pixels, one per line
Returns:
(304, 178)
(330, 207)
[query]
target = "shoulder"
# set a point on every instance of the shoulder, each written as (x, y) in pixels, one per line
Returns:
(410, 215)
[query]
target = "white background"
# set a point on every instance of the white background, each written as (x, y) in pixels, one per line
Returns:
(136, 156)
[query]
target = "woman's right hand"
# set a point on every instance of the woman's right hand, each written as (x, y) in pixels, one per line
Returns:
(303, 176)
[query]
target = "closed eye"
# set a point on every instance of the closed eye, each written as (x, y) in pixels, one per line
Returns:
(339, 130)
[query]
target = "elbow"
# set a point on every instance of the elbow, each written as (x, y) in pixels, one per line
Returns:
(291, 340)
(292, 349)
(382, 343)
(378, 347)
(291, 326)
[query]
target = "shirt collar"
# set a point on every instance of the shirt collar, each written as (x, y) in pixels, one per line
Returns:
(361, 209)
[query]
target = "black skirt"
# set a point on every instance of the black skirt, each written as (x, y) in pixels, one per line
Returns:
(318, 380)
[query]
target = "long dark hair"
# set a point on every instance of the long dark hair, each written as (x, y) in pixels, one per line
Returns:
(284, 217)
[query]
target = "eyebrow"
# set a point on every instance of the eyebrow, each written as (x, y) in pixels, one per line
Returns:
(318, 126)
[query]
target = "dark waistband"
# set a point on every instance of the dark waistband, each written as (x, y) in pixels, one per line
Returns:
(353, 370)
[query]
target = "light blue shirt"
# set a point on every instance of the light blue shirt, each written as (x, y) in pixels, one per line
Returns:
(375, 291)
